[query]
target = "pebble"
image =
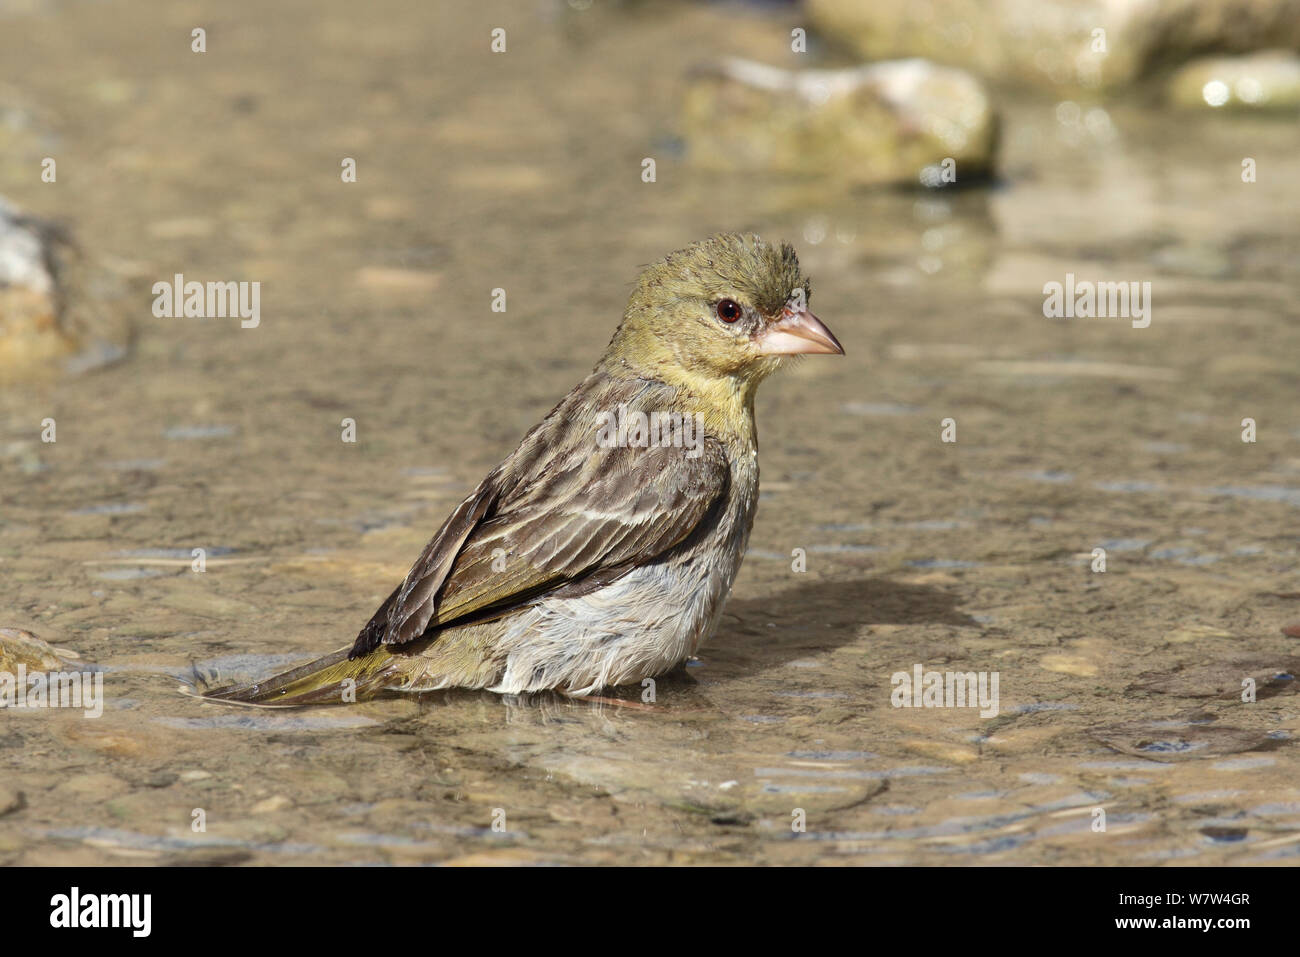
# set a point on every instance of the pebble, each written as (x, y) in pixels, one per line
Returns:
(10, 800)
(92, 787)
(1069, 665)
(277, 802)
(380, 279)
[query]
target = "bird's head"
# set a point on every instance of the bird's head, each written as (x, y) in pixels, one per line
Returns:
(725, 312)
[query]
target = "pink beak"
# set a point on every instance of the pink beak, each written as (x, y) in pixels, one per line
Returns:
(798, 333)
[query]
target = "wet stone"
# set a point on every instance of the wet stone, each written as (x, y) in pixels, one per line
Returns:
(19, 647)
(1271, 676)
(93, 787)
(876, 124)
(10, 800)
(1036, 44)
(30, 330)
(1190, 743)
(56, 311)
(139, 809)
(277, 802)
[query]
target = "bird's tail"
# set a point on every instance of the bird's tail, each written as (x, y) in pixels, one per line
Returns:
(332, 679)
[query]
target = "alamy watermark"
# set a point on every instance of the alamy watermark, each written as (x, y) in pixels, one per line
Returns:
(130, 911)
(1098, 300)
(945, 689)
(213, 300)
(656, 430)
(54, 689)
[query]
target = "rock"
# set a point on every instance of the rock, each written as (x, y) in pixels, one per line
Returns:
(310, 786)
(1056, 42)
(137, 808)
(1194, 633)
(30, 331)
(1272, 675)
(159, 778)
(871, 125)
(1264, 81)
(942, 750)
(276, 802)
(53, 307)
(18, 647)
(90, 787)
(10, 800)
(398, 281)
(118, 742)
(1077, 665)
(193, 596)
(1165, 744)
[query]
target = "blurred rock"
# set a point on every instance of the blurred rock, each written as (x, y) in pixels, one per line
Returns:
(52, 308)
(10, 800)
(90, 787)
(1264, 81)
(1193, 259)
(878, 124)
(277, 802)
(29, 309)
(116, 742)
(1056, 42)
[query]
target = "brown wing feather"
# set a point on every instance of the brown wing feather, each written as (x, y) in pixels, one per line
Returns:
(430, 569)
(559, 511)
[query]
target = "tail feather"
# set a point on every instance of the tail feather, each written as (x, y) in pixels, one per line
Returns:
(323, 681)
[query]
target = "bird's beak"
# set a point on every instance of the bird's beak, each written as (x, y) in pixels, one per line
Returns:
(798, 333)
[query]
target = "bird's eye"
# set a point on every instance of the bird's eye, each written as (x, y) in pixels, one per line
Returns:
(729, 310)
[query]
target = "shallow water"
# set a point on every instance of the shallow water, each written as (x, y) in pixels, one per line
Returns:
(1119, 690)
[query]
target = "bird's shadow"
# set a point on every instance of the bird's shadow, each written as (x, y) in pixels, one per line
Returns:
(820, 615)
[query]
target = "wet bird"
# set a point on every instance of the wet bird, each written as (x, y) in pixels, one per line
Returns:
(591, 556)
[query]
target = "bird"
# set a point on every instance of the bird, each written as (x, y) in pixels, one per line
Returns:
(601, 551)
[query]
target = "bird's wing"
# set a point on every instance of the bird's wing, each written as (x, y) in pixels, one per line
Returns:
(556, 515)
(430, 569)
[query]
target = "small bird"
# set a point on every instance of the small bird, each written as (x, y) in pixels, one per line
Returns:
(600, 551)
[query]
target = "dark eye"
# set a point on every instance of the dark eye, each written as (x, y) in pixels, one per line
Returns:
(729, 310)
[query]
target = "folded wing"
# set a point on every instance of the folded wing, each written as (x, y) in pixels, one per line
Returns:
(562, 515)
